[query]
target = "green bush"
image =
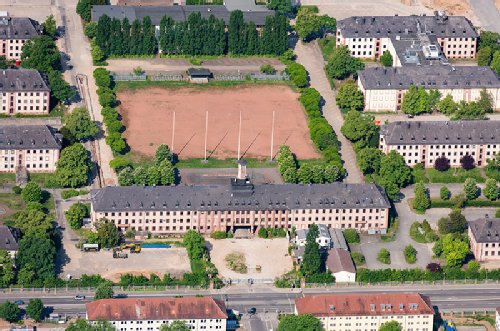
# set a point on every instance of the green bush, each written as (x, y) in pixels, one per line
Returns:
(66, 194)
(419, 175)
(218, 235)
(351, 236)
(444, 193)
(422, 232)
(454, 175)
(298, 74)
(384, 256)
(497, 213)
(358, 258)
(438, 203)
(17, 190)
(262, 233)
(410, 254)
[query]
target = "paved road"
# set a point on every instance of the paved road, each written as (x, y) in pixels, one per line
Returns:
(310, 56)
(487, 13)
(443, 297)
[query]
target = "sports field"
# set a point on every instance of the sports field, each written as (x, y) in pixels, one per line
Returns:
(148, 117)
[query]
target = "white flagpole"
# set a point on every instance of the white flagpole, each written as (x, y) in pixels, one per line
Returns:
(206, 133)
(239, 138)
(272, 139)
(173, 132)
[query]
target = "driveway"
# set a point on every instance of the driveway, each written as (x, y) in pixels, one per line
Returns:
(487, 13)
(310, 56)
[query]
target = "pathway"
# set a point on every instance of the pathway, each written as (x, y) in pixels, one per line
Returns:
(310, 56)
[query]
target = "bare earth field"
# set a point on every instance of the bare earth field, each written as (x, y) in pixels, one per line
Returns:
(270, 254)
(148, 113)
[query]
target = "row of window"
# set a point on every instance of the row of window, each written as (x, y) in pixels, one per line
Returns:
(29, 151)
(20, 94)
(32, 166)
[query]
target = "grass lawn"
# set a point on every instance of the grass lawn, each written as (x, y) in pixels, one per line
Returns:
(7, 178)
(13, 203)
(454, 175)
(45, 180)
(327, 45)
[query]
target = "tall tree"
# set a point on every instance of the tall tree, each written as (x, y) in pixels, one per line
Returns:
(235, 34)
(7, 273)
(125, 36)
(135, 45)
(108, 234)
(349, 97)
(360, 128)
(61, 90)
(311, 261)
(10, 311)
(35, 309)
(104, 291)
(38, 251)
(303, 322)
(80, 125)
(50, 26)
(421, 202)
(341, 64)
(41, 53)
(103, 34)
(394, 173)
(32, 192)
(149, 37)
(74, 166)
(390, 326)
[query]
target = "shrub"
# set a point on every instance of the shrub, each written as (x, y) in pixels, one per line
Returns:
(267, 69)
(497, 213)
(67, 194)
(119, 163)
(386, 59)
(421, 202)
(218, 235)
(422, 232)
(32, 192)
(434, 267)
(17, 190)
(491, 189)
(471, 189)
(351, 236)
(384, 256)
(262, 233)
(410, 254)
(444, 193)
(442, 163)
(298, 74)
(467, 162)
(358, 258)
(459, 200)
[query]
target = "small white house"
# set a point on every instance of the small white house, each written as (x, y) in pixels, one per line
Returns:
(324, 240)
(497, 319)
(340, 264)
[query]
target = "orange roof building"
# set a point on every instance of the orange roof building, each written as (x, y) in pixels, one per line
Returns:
(143, 314)
(366, 312)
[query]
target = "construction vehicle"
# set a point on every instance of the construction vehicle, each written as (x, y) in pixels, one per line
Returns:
(118, 254)
(90, 247)
(134, 248)
(449, 326)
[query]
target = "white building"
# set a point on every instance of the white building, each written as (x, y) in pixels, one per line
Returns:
(497, 319)
(366, 312)
(149, 314)
(324, 240)
(14, 33)
(340, 264)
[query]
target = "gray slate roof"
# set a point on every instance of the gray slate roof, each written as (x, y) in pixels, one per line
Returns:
(225, 198)
(9, 238)
(429, 77)
(441, 132)
(177, 13)
(339, 260)
(22, 80)
(322, 231)
(338, 240)
(486, 230)
(29, 137)
(388, 26)
(18, 28)
(199, 72)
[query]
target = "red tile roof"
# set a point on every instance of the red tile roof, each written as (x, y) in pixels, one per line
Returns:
(339, 260)
(364, 304)
(130, 309)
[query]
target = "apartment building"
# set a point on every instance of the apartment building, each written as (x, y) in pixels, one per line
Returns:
(366, 312)
(23, 91)
(424, 142)
(14, 33)
(35, 148)
(383, 88)
(484, 237)
(242, 205)
(149, 314)
(9, 239)
(370, 36)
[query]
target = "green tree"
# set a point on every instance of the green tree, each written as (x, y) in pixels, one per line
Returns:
(281, 6)
(61, 90)
(307, 24)
(97, 53)
(35, 309)
(235, 37)
(33, 221)
(3, 62)
(90, 29)
(175, 326)
(444, 193)
(126, 177)
(298, 74)
(410, 254)
(303, 322)
(386, 59)
(495, 63)
(491, 189)
(485, 101)
(7, 273)
(104, 291)
(415, 101)
(83, 8)
(163, 153)
(447, 105)
(484, 56)
(368, 160)
(41, 53)
(49, 26)
(489, 39)
(311, 262)
(351, 236)
(341, 64)
(116, 142)
(470, 188)
(349, 97)
(166, 173)
(433, 98)
(394, 173)
(38, 251)
(102, 77)
(108, 234)
(74, 166)
(75, 215)
(10, 311)
(455, 249)
(454, 223)
(360, 129)
(82, 325)
(119, 163)
(32, 192)
(390, 326)
(80, 125)
(421, 202)
(384, 256)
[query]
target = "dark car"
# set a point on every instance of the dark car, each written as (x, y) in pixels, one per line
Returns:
(252, 310)
(19, 302)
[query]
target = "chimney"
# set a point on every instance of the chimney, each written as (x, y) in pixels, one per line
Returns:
(242, 169)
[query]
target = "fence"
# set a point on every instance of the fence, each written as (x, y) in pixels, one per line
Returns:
(166, 77)
(394, 283)
(126, 78)
(269, 77)
(229, 77)
(90, 289)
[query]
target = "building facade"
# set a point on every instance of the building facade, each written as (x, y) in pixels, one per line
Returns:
(23, 91)
(14, 33)
(366, 312)
(484, 237)
(9, 239)
(340, 264)
(497, 319)
(383, 88)
(424, 142)
(370, 36)
(35, 148)
(149, 314)
(177, 209)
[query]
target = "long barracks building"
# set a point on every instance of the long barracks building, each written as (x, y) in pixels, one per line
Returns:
(177, 209)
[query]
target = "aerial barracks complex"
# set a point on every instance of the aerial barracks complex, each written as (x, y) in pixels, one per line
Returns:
(420, 47)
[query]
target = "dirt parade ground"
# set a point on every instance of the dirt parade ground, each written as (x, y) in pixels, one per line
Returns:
(148, 117)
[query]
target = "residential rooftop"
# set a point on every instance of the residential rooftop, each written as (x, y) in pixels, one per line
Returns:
(239, 197)
(29, 137)
(347, 304)
(18, 27)
(22, 80)
(9, 238)
(388, 26)
(177, 13)
(441, 132)
(322, 232)
(339, 260)
(338, 240)
(138, 309)
(485, 230)
(429, 77)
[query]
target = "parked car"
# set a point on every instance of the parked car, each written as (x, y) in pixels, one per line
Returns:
(79, 297)
(252, 310)
(19, 302)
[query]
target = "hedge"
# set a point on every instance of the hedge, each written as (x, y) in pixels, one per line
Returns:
(66, 194)
(298, 74)
(438, 203)
(454, 175)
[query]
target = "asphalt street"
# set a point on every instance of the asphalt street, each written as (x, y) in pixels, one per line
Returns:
(443, 297)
